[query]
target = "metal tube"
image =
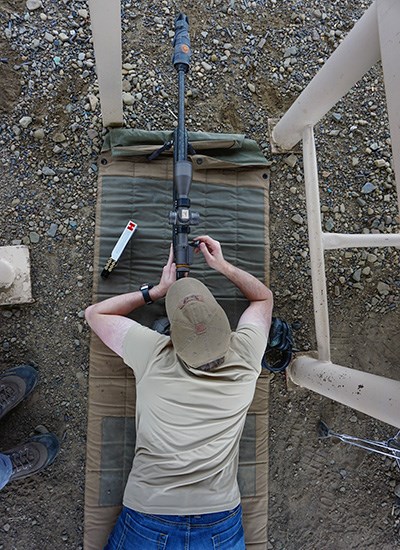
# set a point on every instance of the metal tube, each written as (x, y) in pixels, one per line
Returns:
(105, 16)
(181, 131)
(374, 395)
(316, 247)
(343, 240)
(358, 52)
(388, 15)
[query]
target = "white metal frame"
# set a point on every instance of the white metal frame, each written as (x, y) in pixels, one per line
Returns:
(375, 36)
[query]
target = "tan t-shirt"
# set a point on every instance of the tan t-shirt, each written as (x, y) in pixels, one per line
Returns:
(188, 423)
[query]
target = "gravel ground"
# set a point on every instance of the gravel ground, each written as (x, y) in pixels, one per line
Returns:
(250, 61)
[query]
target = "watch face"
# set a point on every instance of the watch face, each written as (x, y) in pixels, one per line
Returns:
(146, 286)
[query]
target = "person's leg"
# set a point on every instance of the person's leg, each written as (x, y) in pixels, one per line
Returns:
(5, 470)
(219, 531)
(134, 531)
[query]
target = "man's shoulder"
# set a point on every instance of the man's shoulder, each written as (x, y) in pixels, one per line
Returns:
(141, 343)
(251, 330)
(249, 342)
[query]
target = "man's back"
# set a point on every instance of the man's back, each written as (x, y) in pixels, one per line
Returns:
(189, 424)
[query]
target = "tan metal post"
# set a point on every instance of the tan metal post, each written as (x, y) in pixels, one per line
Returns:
(105, 18)
(388, 15)
(368, 393)
(358, 52)
(316, 247)
(345, 240)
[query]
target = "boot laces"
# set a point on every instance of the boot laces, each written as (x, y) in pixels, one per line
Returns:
(22, 459)
(6, 394)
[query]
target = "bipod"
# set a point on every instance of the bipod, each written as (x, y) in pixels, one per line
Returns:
(390, 448)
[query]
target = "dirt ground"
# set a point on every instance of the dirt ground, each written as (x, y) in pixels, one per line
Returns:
(250, 61)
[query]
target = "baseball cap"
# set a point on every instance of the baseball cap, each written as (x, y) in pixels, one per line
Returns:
(200, 330)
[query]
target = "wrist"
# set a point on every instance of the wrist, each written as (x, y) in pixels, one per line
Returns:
(157, 292)
(224, 268)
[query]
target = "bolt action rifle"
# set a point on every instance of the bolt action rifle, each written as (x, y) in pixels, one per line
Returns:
(181, 217)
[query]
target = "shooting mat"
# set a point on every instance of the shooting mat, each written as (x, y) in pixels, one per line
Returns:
(230, 191)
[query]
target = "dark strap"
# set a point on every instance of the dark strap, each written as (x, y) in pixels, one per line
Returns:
(280, 341)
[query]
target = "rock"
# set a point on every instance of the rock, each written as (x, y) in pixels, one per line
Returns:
(329, 224)
(383, 288)
(290, 51)
(34, 5)
(355, 161)
(92, 134)
(59, 137)
(251, 87)
(6, 527)
(380, 163)
(52, 230)
(297, 219)
(357, 275)
(49, 37)
(46, 171)
(336, 117)
(315, 35)
(25, 121)
(83, 13)
(397, 490)
(34, 237)
(206, 66)
(93, 101)
(371, 258)
(291, 160)
(361, 201)
(368, 188)
(127, 98)
(38, 134)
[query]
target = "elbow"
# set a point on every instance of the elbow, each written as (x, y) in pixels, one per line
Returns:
(89, 314)
(269, 297)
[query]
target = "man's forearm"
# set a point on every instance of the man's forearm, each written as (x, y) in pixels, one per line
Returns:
(251, 288)
(125, 303)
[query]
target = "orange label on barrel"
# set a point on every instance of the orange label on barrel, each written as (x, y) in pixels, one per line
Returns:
(185, 48)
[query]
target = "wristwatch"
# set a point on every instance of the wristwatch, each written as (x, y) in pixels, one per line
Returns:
(144, 288)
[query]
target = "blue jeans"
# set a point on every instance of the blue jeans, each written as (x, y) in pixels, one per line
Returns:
(218, 531)
(5, 470)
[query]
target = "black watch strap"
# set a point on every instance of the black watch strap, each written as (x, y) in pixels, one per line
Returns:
(144, 289)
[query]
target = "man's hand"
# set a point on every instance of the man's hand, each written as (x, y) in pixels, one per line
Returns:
(212, 252)
(168, 276)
